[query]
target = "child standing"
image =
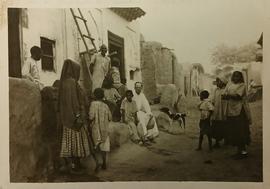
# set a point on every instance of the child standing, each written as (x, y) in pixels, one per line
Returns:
(129, 115)
(115, 74)
(112, 99)
(100, 116)
(206, 108)
(219, 114)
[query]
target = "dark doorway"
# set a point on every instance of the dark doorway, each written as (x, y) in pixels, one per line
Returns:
(116, 43)
(14, 51)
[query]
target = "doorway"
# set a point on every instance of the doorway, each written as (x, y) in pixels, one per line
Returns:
(14, 51)
(116, 44)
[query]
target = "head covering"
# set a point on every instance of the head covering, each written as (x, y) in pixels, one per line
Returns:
(240, 74)
(69, 94)
(70, 70)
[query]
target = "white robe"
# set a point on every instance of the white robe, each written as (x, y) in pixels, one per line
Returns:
(100, 70)
(30, 70)
(144, 114)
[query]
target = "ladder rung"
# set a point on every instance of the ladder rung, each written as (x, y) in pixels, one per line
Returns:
(86, 36)
(81, 18)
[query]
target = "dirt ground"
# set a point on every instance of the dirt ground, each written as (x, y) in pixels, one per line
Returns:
(173, 157)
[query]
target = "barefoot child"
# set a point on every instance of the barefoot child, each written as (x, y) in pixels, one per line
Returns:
(206, 108)
(100, 116)
(129, 115)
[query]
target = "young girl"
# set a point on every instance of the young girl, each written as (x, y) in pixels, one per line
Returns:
(206, 108)
(238, 114)
(100, 116)
(219, 114)
(115, 74)
(112, 99)
(118, 82)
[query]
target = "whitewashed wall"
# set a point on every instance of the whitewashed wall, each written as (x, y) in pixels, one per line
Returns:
(58, 25)
(106, 20)
(45, 23)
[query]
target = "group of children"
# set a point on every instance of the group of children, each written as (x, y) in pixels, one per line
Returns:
(100, 116)
(226, 115)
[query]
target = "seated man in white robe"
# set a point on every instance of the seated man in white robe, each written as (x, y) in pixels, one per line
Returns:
(144, 114)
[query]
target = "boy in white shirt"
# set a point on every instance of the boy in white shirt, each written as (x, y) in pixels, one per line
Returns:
(30, 68)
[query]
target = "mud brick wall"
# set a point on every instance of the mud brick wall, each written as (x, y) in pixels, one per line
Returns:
(164, 66)
(159, 67)
(178, 71)
(169, 95)
(26, 145)
(148, 65)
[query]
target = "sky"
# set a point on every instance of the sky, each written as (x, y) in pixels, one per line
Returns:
(193, 28)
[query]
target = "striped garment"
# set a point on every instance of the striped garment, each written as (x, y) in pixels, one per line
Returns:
(75, 143)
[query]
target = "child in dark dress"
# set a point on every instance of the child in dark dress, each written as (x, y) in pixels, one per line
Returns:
(206, 108)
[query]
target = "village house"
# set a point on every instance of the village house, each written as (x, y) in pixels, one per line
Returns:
(33, 113)
(55, 31)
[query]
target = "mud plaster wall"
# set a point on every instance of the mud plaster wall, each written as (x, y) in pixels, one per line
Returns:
(26, 144)
(148, 66)
(68, 43)
(159, 67)
(179, 74)
(164, 66)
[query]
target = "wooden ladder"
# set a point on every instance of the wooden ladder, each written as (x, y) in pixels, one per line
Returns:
(86, 56)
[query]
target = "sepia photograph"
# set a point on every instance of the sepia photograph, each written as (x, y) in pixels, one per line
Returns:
(169, 92)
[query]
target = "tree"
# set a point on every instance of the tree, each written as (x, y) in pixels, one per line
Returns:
(224, 54)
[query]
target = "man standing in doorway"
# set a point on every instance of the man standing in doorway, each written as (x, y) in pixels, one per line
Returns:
(30, 68)
(144, 114)
(101, 66)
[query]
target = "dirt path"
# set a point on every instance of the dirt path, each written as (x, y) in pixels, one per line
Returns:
(173, 158)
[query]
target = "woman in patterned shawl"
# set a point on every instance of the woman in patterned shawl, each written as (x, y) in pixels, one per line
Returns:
(75, 142)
